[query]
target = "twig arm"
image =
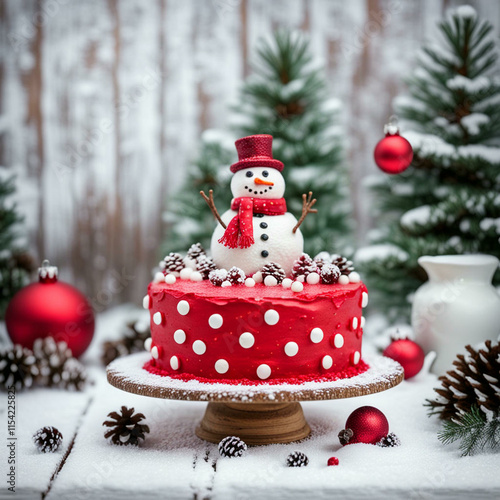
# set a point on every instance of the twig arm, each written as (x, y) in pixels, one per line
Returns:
(210, 202)
(307, 204)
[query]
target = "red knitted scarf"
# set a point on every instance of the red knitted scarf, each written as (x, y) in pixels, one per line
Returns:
(239, 232)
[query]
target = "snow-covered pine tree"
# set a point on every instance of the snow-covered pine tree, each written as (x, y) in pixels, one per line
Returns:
(448, 201)
(15, 265)
(286, 96)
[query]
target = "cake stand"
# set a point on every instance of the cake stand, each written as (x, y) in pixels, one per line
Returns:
(258, 414)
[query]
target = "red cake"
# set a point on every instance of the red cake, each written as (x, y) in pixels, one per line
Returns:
(261, 333)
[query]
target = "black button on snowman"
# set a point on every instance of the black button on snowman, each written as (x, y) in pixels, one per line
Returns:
(258, 188)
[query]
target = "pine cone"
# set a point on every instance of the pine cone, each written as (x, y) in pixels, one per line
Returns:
(274, 270)
(195, 251)
(389, 441)
(345, 266)
(217, 277)
(303, 266)
(50, 358)
(330, 274)
(125, 428)
(345, 436)
(297, 459)
(131, 342)
(475, 381)
(205, 265)
(172, 263)
(17, 368)
(73, 375)
(321, 259)
(47, 439)
(232, 446)
(236, 276)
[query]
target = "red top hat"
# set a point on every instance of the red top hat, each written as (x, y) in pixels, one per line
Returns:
(255, 151)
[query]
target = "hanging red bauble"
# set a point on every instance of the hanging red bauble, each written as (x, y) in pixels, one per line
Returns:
(50, 308)
(393, 154)
(408, 354)
(364, 425)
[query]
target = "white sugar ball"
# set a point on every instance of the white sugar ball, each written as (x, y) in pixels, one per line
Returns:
(313, 278)
(250, 282)
(159, 277)
(344, 280)
(257, 277)
(297, 286)
(170, 279)
(270, 281)
(226, 283)
(186, 273)
(354, 277)
(301, 278)
(286, 283)
(196, 276)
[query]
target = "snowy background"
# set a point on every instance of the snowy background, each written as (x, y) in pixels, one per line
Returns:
(102, 105)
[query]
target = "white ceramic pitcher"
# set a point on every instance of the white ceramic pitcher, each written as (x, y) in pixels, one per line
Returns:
(457, 306)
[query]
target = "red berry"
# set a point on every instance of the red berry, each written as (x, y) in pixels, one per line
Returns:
(408, 354)
(333, 461)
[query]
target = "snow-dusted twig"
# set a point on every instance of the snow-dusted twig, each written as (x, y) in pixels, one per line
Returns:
(307, 204)
(210, 202)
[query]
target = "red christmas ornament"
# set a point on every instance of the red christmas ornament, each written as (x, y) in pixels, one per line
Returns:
(408, 354)
(393, 154)
(50, 308)
(333, 461)
(364, 425)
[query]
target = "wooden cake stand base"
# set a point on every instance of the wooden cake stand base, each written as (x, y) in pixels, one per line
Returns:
(258, 414)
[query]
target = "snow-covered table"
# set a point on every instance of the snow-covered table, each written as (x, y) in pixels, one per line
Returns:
(173, 463)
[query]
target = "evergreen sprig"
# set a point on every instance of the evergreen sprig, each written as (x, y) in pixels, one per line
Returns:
(474, 430)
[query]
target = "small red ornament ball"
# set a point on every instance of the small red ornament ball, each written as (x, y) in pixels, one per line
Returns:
(333, 461)
(50, 308)
(368, 424)
(408, 354)
(393, 154)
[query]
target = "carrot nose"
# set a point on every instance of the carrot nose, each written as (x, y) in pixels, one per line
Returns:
(263, 182)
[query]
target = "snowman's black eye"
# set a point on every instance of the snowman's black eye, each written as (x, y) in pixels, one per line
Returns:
(249, 174)
(265, 173)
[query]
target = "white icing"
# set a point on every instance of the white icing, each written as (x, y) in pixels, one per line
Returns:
(247, 340)
(183, 307)
(313, 278)
(270, 281)
(147, 344)
(297, 286)
(263, 371)
(174, 363)
(146, 302)
(186, 273)
(215, 321)
(327, 362)
(170, 279)
(354, 277)
(199, 347)
(338, 340)
(154, 352)
(159, 277)
(286, 283)
(180, 336)
(364, 299)
(356, 357)
(344, 280)
(291, 349)
(316, 335)
(221, 366)
(354, 324)
(196, 276)
(157, 318)
(271, 317)
(250, 282)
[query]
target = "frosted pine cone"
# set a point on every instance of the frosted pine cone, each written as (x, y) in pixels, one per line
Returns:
(126, 427)
(232, 446)
(17, 368)
(47, 439)
(205, 265)
(50, 358)
(132, 341)
(346, 267)
(73, 375)
(217, 277)
(297, 459)
(330, 274)
(236, 276)
(322, 258)
(172, 263)
(195, 252)
(274, 270)
(303, 266)
(389, 441)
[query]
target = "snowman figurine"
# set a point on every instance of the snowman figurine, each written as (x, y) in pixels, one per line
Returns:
(257, 229)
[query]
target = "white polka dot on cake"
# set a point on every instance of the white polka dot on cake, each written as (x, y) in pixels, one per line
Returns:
(157, 318)
(343, 280)
(327, 362)
(199, 347)
(363, 321)
(221, 366)
(338, 341)
(247, 340)
(263, 371)
(215, 321)
(154, 352)
(146, 302)
(356, 357)
(354, 323)
(147, 344)
(271, 317)
(316, 335)
(183, 307)
(364, 299)
(175, 363)
(312, 278)
(291, 349)
(180, 336)
(170, 279)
